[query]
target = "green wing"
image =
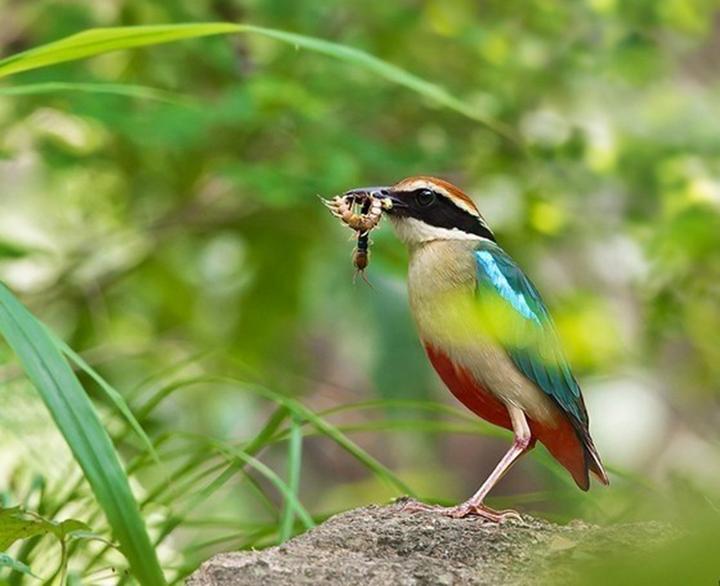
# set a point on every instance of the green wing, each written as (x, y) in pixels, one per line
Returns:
(529, 336)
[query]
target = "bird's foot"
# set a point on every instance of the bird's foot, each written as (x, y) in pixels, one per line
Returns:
(470, 509)
(466, 509)
(412, 506)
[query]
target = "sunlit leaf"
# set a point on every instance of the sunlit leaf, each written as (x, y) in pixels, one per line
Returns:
(103, 40)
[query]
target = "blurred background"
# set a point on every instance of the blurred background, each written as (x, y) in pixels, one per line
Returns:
(175, 239)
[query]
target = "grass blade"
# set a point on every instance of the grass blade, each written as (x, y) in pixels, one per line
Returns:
(77, 420)
(432, 91)
(117, 399)
(294, 466)
(299, 410)
(327, 429)
(103, 40)
(234, 453)
(159, 494)
(116, 89)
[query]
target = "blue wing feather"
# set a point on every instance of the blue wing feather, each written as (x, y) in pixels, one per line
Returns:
(535, 349)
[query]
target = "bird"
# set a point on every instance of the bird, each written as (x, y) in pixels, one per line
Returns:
(487, 333)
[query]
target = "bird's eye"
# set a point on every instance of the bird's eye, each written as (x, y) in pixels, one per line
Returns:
(425, 198)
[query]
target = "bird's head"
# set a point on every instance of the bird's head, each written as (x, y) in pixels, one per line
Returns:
(423, 209)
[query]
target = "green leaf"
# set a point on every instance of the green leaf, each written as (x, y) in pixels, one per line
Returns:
(79, 534)
(8, 562)
(103, 40)
(17, 524)
(69, 527)
(77, 420)
(10, 249)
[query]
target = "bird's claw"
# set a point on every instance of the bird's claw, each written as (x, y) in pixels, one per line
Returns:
(412, 506)
(480, 510)
(463, 510)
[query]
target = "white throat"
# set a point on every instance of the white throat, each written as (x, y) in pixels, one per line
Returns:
(414, 232)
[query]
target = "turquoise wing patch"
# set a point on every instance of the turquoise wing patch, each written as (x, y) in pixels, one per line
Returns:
(533, 345)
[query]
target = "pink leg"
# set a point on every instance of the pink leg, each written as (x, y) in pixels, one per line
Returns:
(474, 505)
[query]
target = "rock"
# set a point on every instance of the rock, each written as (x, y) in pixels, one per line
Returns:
(380, 545)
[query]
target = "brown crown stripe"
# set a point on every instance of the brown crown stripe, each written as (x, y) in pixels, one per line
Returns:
(444, 187)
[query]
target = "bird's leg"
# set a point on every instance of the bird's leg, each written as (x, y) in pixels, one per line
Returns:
(474, 505)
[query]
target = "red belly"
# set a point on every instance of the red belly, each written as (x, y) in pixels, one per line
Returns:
(561, 440)
(466, 390)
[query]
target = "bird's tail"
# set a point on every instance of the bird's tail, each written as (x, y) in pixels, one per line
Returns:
(594, 463)
(573, 448)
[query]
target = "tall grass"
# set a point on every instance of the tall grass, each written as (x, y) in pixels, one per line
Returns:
(79, 423)
(201, 467)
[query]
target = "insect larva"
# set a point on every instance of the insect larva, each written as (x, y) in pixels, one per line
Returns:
(362, 214)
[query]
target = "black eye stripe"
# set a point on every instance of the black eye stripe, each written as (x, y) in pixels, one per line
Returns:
(441, 213)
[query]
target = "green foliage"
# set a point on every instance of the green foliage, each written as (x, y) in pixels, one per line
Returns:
(96, 42)
(159, 215)
(77, 420)
(17, 524)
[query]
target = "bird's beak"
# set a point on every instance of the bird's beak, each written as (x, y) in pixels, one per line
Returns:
(384, 194)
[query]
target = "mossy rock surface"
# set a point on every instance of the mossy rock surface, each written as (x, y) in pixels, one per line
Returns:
(380, 545)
